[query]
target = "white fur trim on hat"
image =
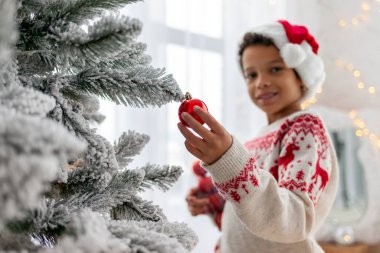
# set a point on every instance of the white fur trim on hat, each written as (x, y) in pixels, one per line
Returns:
(300, 57)
(292, 54)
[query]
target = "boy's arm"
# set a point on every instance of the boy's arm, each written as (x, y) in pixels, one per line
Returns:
(282, 210)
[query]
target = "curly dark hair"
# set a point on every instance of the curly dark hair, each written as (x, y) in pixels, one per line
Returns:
(251, 39)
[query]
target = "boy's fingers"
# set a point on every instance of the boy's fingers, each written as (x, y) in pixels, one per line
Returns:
(199, 201)
(193, 191)
(214, 125)
(197, 127)
(197, 211)
(193, 150)
(192, 138)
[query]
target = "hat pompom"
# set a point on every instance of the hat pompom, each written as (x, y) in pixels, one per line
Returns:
(293, 54)
(312, 73)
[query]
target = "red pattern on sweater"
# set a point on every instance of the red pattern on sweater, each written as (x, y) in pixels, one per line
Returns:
(264, 142)
(246, 176)
(320, 172)
(305, 125)
(293, 184)
(274, 171)
(291, 171)
(288, 157)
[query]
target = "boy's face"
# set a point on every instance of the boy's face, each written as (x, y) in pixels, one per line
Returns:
(272, 86)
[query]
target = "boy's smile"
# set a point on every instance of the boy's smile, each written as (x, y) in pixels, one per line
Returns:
(267, 97)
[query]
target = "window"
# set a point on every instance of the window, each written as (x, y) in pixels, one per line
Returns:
(199, 72)
(186, 38)
(193, 52)
(196, 16)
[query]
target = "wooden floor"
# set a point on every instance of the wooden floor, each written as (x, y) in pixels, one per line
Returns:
(356, 248)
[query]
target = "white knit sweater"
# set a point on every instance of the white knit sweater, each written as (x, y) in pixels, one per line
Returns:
(279, 187)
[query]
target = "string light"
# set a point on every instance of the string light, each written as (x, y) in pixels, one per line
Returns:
(339, 62)
(362, 130)
(350, 67)
(366, 6)
(347, 238)
(356, 74)
(358, 19)
(355, 21)
(312, 100)
(343, 22)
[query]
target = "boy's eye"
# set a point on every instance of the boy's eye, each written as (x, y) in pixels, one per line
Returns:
(250, 76)
(276, 69)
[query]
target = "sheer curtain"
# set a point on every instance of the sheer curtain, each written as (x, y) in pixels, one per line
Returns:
(196, 41)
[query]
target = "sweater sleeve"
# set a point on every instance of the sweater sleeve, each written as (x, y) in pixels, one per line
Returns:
(280, 210)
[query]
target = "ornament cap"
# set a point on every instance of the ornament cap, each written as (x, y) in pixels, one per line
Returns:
(188, 96)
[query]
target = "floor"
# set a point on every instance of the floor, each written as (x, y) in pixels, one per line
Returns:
(356, 248)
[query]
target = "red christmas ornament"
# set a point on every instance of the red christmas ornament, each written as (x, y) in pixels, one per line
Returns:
(198, 170)
(216, 202)
(188, 106)
(205, 185)
(218, 220)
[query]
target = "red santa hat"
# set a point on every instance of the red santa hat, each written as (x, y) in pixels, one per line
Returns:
(299, 49)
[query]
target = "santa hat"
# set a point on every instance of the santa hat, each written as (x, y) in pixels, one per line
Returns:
(298, 49)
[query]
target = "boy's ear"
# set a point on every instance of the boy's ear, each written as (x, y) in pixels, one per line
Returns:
(303, 89)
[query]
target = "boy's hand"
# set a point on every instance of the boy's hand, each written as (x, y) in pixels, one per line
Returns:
(211, 144)
(195, 204)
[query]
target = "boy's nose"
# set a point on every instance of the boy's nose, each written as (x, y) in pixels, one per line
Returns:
(262, 81)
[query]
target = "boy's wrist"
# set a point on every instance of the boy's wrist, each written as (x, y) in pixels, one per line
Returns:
(229, 164)
(221, 155)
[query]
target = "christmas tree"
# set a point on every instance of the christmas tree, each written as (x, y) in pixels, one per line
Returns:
(64, 188)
